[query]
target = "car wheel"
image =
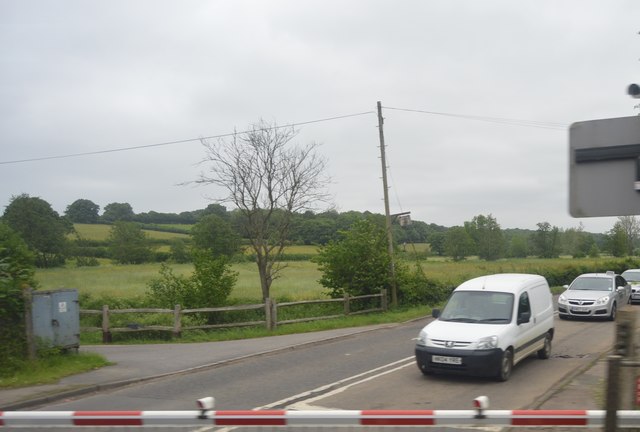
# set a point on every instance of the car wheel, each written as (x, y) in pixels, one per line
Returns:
(563, 317)
(612, 315)
(545, 352)
(506, 365)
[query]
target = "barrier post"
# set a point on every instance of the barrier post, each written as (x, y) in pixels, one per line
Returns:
(626, 346)
(613, 376)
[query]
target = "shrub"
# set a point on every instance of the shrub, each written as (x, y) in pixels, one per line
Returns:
(209, 285)
(16, 273)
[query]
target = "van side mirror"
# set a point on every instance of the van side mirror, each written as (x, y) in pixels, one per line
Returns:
(435, 313)
(524, 317)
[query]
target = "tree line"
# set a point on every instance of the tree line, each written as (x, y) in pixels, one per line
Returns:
(47, 233)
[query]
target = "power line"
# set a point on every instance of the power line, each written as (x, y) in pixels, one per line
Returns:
(514, 122)
(179, 141)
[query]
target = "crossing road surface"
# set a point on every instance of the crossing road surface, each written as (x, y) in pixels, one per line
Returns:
(373, 370)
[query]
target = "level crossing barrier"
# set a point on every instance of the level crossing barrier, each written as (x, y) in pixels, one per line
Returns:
(331, 418)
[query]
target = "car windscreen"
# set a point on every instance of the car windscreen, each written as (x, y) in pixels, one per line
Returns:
(631, 276)
(485, 307)
(591, 284)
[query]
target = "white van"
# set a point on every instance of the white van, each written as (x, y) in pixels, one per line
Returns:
(489, 324)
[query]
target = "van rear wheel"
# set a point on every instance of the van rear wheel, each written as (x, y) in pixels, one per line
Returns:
(545, 352)
(506, 366)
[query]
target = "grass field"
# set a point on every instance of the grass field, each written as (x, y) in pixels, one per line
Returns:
(100, 232)
(298, 281)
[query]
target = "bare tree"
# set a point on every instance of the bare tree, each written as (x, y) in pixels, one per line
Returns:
(268, 181)
(631, 227)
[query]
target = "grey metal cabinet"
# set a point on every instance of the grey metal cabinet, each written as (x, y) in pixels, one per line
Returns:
(56, 318)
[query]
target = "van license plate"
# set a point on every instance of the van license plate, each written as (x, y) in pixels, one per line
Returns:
(446, 359)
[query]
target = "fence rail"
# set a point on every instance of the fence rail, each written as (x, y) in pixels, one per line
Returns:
(333, 418)
(270, 321)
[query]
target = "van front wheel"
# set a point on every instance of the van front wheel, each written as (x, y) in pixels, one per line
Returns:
(506, 365)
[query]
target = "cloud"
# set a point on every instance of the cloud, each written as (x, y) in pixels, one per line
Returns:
(81, 77)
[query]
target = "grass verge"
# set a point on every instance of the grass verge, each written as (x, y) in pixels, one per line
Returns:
(51, 368)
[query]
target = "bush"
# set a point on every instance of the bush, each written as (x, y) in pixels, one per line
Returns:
(415, 288)
(87, 262)
(209, 285)
(16, 274)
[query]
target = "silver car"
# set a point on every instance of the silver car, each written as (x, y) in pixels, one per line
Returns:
(594, 295)
(633, 277)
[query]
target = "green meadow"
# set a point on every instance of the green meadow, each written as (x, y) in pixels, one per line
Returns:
(298, 280)
(100, 232)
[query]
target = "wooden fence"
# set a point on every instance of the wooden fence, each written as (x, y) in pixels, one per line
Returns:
(270, 320)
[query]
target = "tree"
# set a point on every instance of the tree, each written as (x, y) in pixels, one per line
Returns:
(82, 211)
(436, 242)
(630, 225)
(216, 209)
(268, 182)
(41, 227)
(358, 263)
(118, 212)
(16, 273)
(458, 244)
(546, 240)
(487, 235)
(128, 244)
(618, 241)
(216, 235)
(518, 247)
(577, 243)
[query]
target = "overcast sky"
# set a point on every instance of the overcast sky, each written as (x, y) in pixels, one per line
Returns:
(477, 97)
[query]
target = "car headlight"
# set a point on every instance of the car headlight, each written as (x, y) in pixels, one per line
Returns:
(562, 299)
(488, 342)
(602, 300)
(422, 338)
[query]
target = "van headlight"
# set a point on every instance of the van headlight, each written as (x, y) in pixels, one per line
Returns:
(422, 338)
(602, 300)
(488, 342)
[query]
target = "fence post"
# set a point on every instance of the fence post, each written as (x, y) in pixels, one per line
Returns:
(106, 333)
(613, 376)
(28, 322)
(271, 313)
(274, 314)
(347, 306)
(177, 321)
(383, 300)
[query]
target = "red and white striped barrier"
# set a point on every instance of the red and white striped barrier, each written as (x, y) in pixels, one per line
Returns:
(522, 418)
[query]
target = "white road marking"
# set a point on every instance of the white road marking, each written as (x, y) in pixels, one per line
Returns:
(303, 404)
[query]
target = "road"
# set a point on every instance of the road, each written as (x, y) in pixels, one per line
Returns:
(374, 370)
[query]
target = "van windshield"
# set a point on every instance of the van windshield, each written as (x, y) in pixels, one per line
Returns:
(479, 307)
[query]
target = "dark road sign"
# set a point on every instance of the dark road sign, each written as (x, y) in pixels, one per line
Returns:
(604, 167)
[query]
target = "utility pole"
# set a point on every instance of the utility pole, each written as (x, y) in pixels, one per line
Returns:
(394, 291)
